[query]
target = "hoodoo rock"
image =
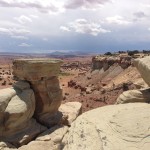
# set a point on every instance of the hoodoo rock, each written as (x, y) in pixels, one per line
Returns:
(32, 104)
(42, 74)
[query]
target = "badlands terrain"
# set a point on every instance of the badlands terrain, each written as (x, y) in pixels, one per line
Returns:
(83, 80)
(53, 104)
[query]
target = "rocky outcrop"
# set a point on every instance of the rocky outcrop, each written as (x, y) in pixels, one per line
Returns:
(143, 66)
(22, 106)
(42, 74)
(50, 139)
(140, 84)
(132, 96)
(143, 94)
(99, 62)
(17, 106)
(116, 127)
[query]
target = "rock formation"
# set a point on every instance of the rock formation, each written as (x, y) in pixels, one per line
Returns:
(132, 96)
(116, 127)
(17, 106)
(42, 74)
(22, 106)
(99, 62)
(140, 95)
(143, 66)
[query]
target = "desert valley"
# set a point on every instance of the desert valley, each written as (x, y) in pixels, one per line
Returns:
(91, 80)
(67, 103)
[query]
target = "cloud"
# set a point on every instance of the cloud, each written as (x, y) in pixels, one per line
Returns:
(73, 4)
(84, 27)
(117, 20)
(24, 45)
(39, 5)
(34, 16)
(4, 30)
(23, 19)
(45, 39)
(140, 14)
(19, 37)
(14, 31)
(63, 28)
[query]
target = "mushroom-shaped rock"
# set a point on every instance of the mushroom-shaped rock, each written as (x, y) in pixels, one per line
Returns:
(42, 74)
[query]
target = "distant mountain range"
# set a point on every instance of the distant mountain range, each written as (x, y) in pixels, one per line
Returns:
(52, 54)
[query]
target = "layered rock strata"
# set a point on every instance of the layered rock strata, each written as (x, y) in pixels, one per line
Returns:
(99, 62)
(116, 127)
(42, 74)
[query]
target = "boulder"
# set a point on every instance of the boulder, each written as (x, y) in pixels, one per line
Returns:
(5, 97)
(17, 106)
(143, 66)
(116, 127)
(132, 96)
(72, 110)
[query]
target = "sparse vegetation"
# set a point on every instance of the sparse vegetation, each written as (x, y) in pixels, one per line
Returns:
(131, 53)
(108, 53)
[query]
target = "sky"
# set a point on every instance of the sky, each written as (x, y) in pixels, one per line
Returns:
(45, 26)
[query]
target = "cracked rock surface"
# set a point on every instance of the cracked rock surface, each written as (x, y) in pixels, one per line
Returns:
(117, 127)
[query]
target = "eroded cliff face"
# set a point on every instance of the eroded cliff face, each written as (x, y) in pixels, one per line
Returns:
(115, 127)
(99, 62)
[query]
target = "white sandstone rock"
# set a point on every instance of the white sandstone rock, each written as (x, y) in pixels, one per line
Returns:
(116, 127)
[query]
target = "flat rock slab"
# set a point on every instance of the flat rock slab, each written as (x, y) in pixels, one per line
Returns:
(36, 68)
(116, 127)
